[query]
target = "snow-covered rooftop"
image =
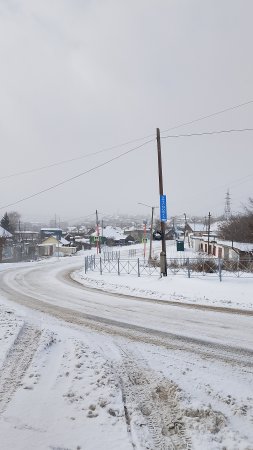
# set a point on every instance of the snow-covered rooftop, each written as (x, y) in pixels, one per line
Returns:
(50, 229)
(64, 241)
(110, 232)
(4, 233)
(242, 246)
(197, 226)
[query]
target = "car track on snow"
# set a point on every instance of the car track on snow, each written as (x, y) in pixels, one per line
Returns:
(49, 289)
(17, 362)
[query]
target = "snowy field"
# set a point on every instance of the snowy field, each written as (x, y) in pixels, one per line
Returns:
(81, 370)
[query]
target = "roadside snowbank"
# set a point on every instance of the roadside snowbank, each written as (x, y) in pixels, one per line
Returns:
(231, 292)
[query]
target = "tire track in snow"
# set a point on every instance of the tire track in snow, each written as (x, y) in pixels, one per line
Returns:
(17, 362)
(208, 349)
(151, 408)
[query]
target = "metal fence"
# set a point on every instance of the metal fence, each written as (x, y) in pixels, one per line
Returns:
(190, 267)
(110, 255)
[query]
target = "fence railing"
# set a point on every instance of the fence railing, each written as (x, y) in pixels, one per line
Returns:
(190, 267)
(110, 255)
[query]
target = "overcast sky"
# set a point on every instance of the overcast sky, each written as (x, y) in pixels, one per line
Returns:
(79, 76)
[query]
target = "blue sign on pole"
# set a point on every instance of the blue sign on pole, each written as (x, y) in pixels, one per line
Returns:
(163, 208)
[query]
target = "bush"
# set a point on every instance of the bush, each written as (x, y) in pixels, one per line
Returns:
(203, 265)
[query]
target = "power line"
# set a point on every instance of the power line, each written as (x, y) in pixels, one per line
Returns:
(76, 176)
(64, 161)
(206, 133)
(230, 108)
(36, 169)
(119, 156)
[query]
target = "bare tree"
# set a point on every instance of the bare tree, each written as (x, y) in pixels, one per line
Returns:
(14, 218)
(239, 228)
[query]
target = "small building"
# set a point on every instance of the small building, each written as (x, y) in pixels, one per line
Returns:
(196, 228)
(137, 233)
(46, 232)
(26, 236)
(52, 246)
(222, 249)
(6, 247)
(111, 236)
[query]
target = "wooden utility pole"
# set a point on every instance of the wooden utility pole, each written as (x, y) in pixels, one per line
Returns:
(163, 261)
(185, 222)
(145, 237)
(151, 234)
(208, 233)
(151, 228)
(98, 237)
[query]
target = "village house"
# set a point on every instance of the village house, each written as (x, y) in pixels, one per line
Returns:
(110, 236)
(53, 246)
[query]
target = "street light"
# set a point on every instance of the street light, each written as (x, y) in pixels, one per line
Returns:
(151, 228)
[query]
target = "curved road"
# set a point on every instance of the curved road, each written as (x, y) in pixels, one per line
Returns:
(47, 287)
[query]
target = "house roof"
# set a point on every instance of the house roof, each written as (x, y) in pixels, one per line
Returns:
(4, 233)
(51, 240)
(64, 241)
(242, 246)
(197, 226)
(26, 232)
(50, 229)
(109, 232)
(82, 240)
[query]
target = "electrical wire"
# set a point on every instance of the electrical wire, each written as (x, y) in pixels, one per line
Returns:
(119, 156)
(36, 169)
(206, 133)
(76, 176)
(230, 108)
(64, 161)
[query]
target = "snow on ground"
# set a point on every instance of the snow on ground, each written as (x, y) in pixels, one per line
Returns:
(171, 250)
(67, 399)
(68, 387)
(80, 389)
(9, 330)
(206, 290)
(231, 292)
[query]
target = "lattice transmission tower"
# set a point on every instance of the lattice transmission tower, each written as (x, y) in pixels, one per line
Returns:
(227, 209)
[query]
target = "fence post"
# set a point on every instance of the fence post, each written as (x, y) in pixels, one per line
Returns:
(118, 267)
(100, 263)
(85, 265)
(220, 268)
(138, 266)
(188, 267)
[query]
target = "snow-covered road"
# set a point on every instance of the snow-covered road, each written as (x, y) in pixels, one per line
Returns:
(49, 288)
(93, 370)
